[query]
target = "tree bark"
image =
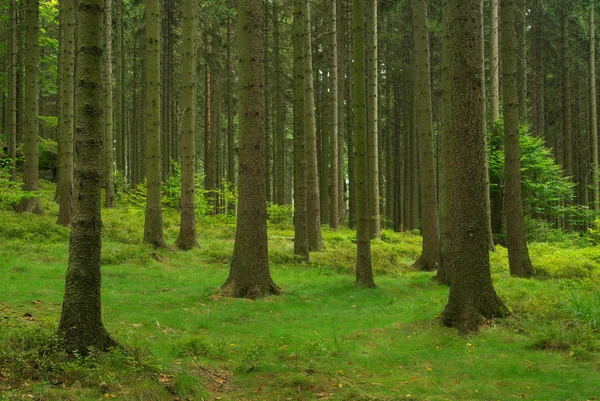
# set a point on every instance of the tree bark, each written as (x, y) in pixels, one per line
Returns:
(472, 296)
(81, 324)
(279, 129)
(430, 256)
(334, 181)
(364, 271)
(12, 139)
(594, 115)
(249, 276)
(518, 254)
(119, 86)
(109, 183)
(315, 239)
(187, 234)
(153, 227)
(31, 111)
(372, 116)
(300, 191)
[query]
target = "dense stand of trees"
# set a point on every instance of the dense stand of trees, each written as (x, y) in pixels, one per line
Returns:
(389, 114)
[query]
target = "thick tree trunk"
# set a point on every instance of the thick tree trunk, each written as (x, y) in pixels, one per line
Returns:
(109, 183)
(153, 227)
(81, 324)
(300, 191)
(315, 239)
(518, 254)
(249, 276)
(187, 234)
(430, 256)
(31, 111)
(364, 271)
(472, 296)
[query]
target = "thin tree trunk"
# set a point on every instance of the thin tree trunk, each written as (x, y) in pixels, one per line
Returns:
(430, 256)
(31, 111)
(522, 60)
(372, 116)
(300, 191)
(153, 227)
(594, 115)
(518, 254)
(187, 234)
(119, 86)
(109, 184)
(12, 139)
(566, 109)
(279, 132)
(364, 271)
(315, 239)
(334, 181)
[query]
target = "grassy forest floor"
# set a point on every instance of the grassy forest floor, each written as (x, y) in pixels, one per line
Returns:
(322, 338)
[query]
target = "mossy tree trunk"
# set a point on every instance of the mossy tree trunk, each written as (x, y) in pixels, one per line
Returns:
(315, 238)
(31, 178)
(364, 271)
(109, 159)
(153, 227)
(518, 254)
(300, 193)
(430, 256)
(249, 276)
(187, 234)
(81, 324)
(472, 296)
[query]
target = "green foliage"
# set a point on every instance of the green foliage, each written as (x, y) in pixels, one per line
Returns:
(278, 214)
(543, 182)
(594, 232)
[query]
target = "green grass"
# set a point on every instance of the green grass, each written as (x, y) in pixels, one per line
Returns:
(323, 338)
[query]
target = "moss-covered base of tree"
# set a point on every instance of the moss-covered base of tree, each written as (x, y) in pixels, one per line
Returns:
(426, 263)
(81, 342)
(31, 205)
(186, 242)
(249, 290)
(468, 312)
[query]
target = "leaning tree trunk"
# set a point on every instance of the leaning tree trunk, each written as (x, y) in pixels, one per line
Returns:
(153, 227)
(472, 296)
(315, 238)
(518, 254)
(31, 178)
(364, 271)
(187, 234)
(430, 256)
(249, 276)
(81, 324)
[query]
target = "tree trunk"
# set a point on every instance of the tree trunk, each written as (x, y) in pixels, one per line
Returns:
(249, 276)
(12, 139)
(119, 86)
(341, 96)
(430, 256)
(372, 116)
(315, 239)
(364, 271)
(109, 183)
(522, 60)
(300, 191)
(187, 234)
(81, 324)
(334, 181)
(518, 254)
(230, 116)
(472, 296)
(31, 111)
(279, 129)
(153, 227)
(594, 115)
(566, 108)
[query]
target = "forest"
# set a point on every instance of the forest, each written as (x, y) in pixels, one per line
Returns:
(350, 200)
